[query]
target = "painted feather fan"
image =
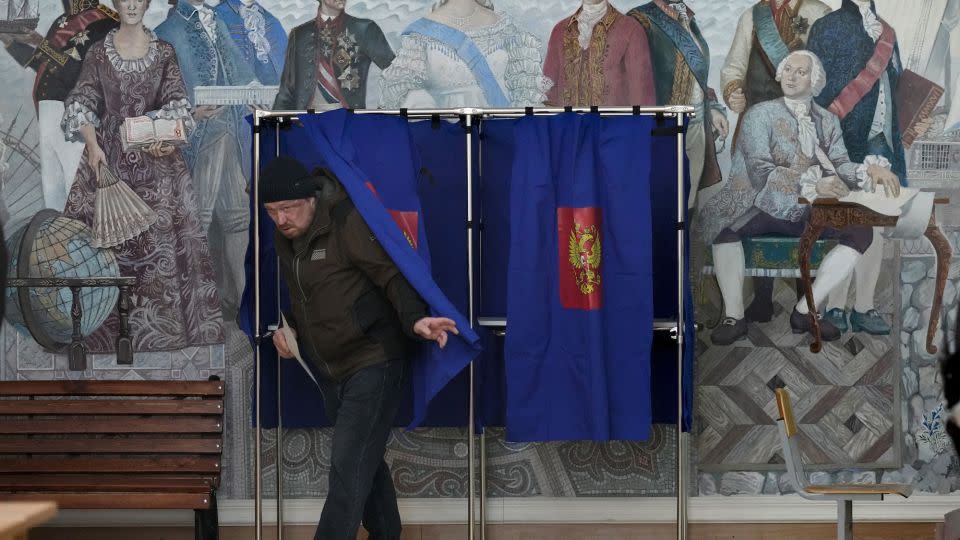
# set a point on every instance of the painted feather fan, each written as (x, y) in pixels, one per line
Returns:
(119, 213)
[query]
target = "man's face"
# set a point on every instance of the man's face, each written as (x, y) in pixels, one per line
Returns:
(593, 2)
(333, 6)
(292, 217)
(796, 81)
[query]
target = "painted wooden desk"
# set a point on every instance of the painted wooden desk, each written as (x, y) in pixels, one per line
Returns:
(833, 213)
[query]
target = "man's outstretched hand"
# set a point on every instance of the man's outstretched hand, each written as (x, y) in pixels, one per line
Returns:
(435, 329)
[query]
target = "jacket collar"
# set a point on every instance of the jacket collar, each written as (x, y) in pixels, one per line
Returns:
(320, 224)
(607, 20)
(187, 10)
(852, 7)
(234, 5)
(672, 13)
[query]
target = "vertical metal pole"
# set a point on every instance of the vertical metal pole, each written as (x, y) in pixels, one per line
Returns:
(258, 452)
(681, 478)
(483, 430)
(471, 442)
(483, 483)
(279, 405)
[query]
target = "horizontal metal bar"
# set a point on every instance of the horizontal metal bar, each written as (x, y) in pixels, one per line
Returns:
(71, 282)
(659, 325)
(509, 112)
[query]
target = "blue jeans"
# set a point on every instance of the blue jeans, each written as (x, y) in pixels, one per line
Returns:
(362, 409)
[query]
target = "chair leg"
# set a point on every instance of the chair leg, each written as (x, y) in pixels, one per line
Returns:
(845, 520)
(206, 523)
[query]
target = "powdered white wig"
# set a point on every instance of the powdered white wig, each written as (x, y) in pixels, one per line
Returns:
(818, 77)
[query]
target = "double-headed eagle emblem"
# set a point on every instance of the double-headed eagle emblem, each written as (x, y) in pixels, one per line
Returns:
(584, 253)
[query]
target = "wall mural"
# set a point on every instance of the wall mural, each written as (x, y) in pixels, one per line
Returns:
(138, 107)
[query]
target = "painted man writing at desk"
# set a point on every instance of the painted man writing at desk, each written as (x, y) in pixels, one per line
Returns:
(788, 148)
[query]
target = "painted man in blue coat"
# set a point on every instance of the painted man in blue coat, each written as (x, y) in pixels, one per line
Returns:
(259, 36)
(860, 55)
(219, 150)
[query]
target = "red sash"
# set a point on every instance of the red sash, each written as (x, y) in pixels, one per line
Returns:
(326, 74)
(77, 24)
(871, 73)
(327, 79)
(50, 48)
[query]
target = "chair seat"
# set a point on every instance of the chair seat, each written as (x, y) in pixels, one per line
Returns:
(860, 489)
(776, 256)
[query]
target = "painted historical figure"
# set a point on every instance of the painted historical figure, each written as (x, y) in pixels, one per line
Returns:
(328, 60)
(860, 55)
(789, 148)
(464, 55)
(219, 150)
(259, 36)
(681, 65)
(57, 59)
(128, 74)
(598, 56)
(766, 33)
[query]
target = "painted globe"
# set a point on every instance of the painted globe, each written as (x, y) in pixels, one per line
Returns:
(54, 246)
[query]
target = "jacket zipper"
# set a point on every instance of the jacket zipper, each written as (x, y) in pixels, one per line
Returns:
(303, 301)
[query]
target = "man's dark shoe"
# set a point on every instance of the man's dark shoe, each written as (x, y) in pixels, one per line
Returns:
(800, 323)
(870, 322)
(730, 330)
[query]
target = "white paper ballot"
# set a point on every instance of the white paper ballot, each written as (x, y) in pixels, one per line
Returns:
(294, 348)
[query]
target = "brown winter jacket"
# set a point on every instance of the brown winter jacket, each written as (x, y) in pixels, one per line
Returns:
(350, 305)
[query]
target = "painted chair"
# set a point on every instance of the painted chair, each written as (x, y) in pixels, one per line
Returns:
(769, 257)
(844, 494)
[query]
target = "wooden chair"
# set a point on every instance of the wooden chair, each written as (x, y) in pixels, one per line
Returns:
(844, 494)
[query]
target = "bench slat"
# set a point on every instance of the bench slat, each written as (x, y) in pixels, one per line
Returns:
(119, 424)
(104, 482)
(110, 446)
(110, 406)
(117, 500)
(111, 388)
(55, 464)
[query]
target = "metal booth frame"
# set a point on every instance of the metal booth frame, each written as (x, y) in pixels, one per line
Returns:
(471, 117)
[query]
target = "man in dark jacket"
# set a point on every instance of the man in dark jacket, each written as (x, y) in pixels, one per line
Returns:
(328, 60)
(354, 316)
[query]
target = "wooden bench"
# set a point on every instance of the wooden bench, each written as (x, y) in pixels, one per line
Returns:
(114, 445)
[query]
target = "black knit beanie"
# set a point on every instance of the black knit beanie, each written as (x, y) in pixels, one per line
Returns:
(286, 178)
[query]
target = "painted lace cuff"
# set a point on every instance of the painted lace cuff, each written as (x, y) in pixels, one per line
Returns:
(76, 115)
(808, 182)
(178, 108)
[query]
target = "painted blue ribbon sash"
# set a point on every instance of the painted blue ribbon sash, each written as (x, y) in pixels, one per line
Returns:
(767, 34)
(684, 42)
(467, 51)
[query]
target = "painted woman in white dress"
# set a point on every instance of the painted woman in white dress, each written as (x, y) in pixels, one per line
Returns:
(432, 67)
